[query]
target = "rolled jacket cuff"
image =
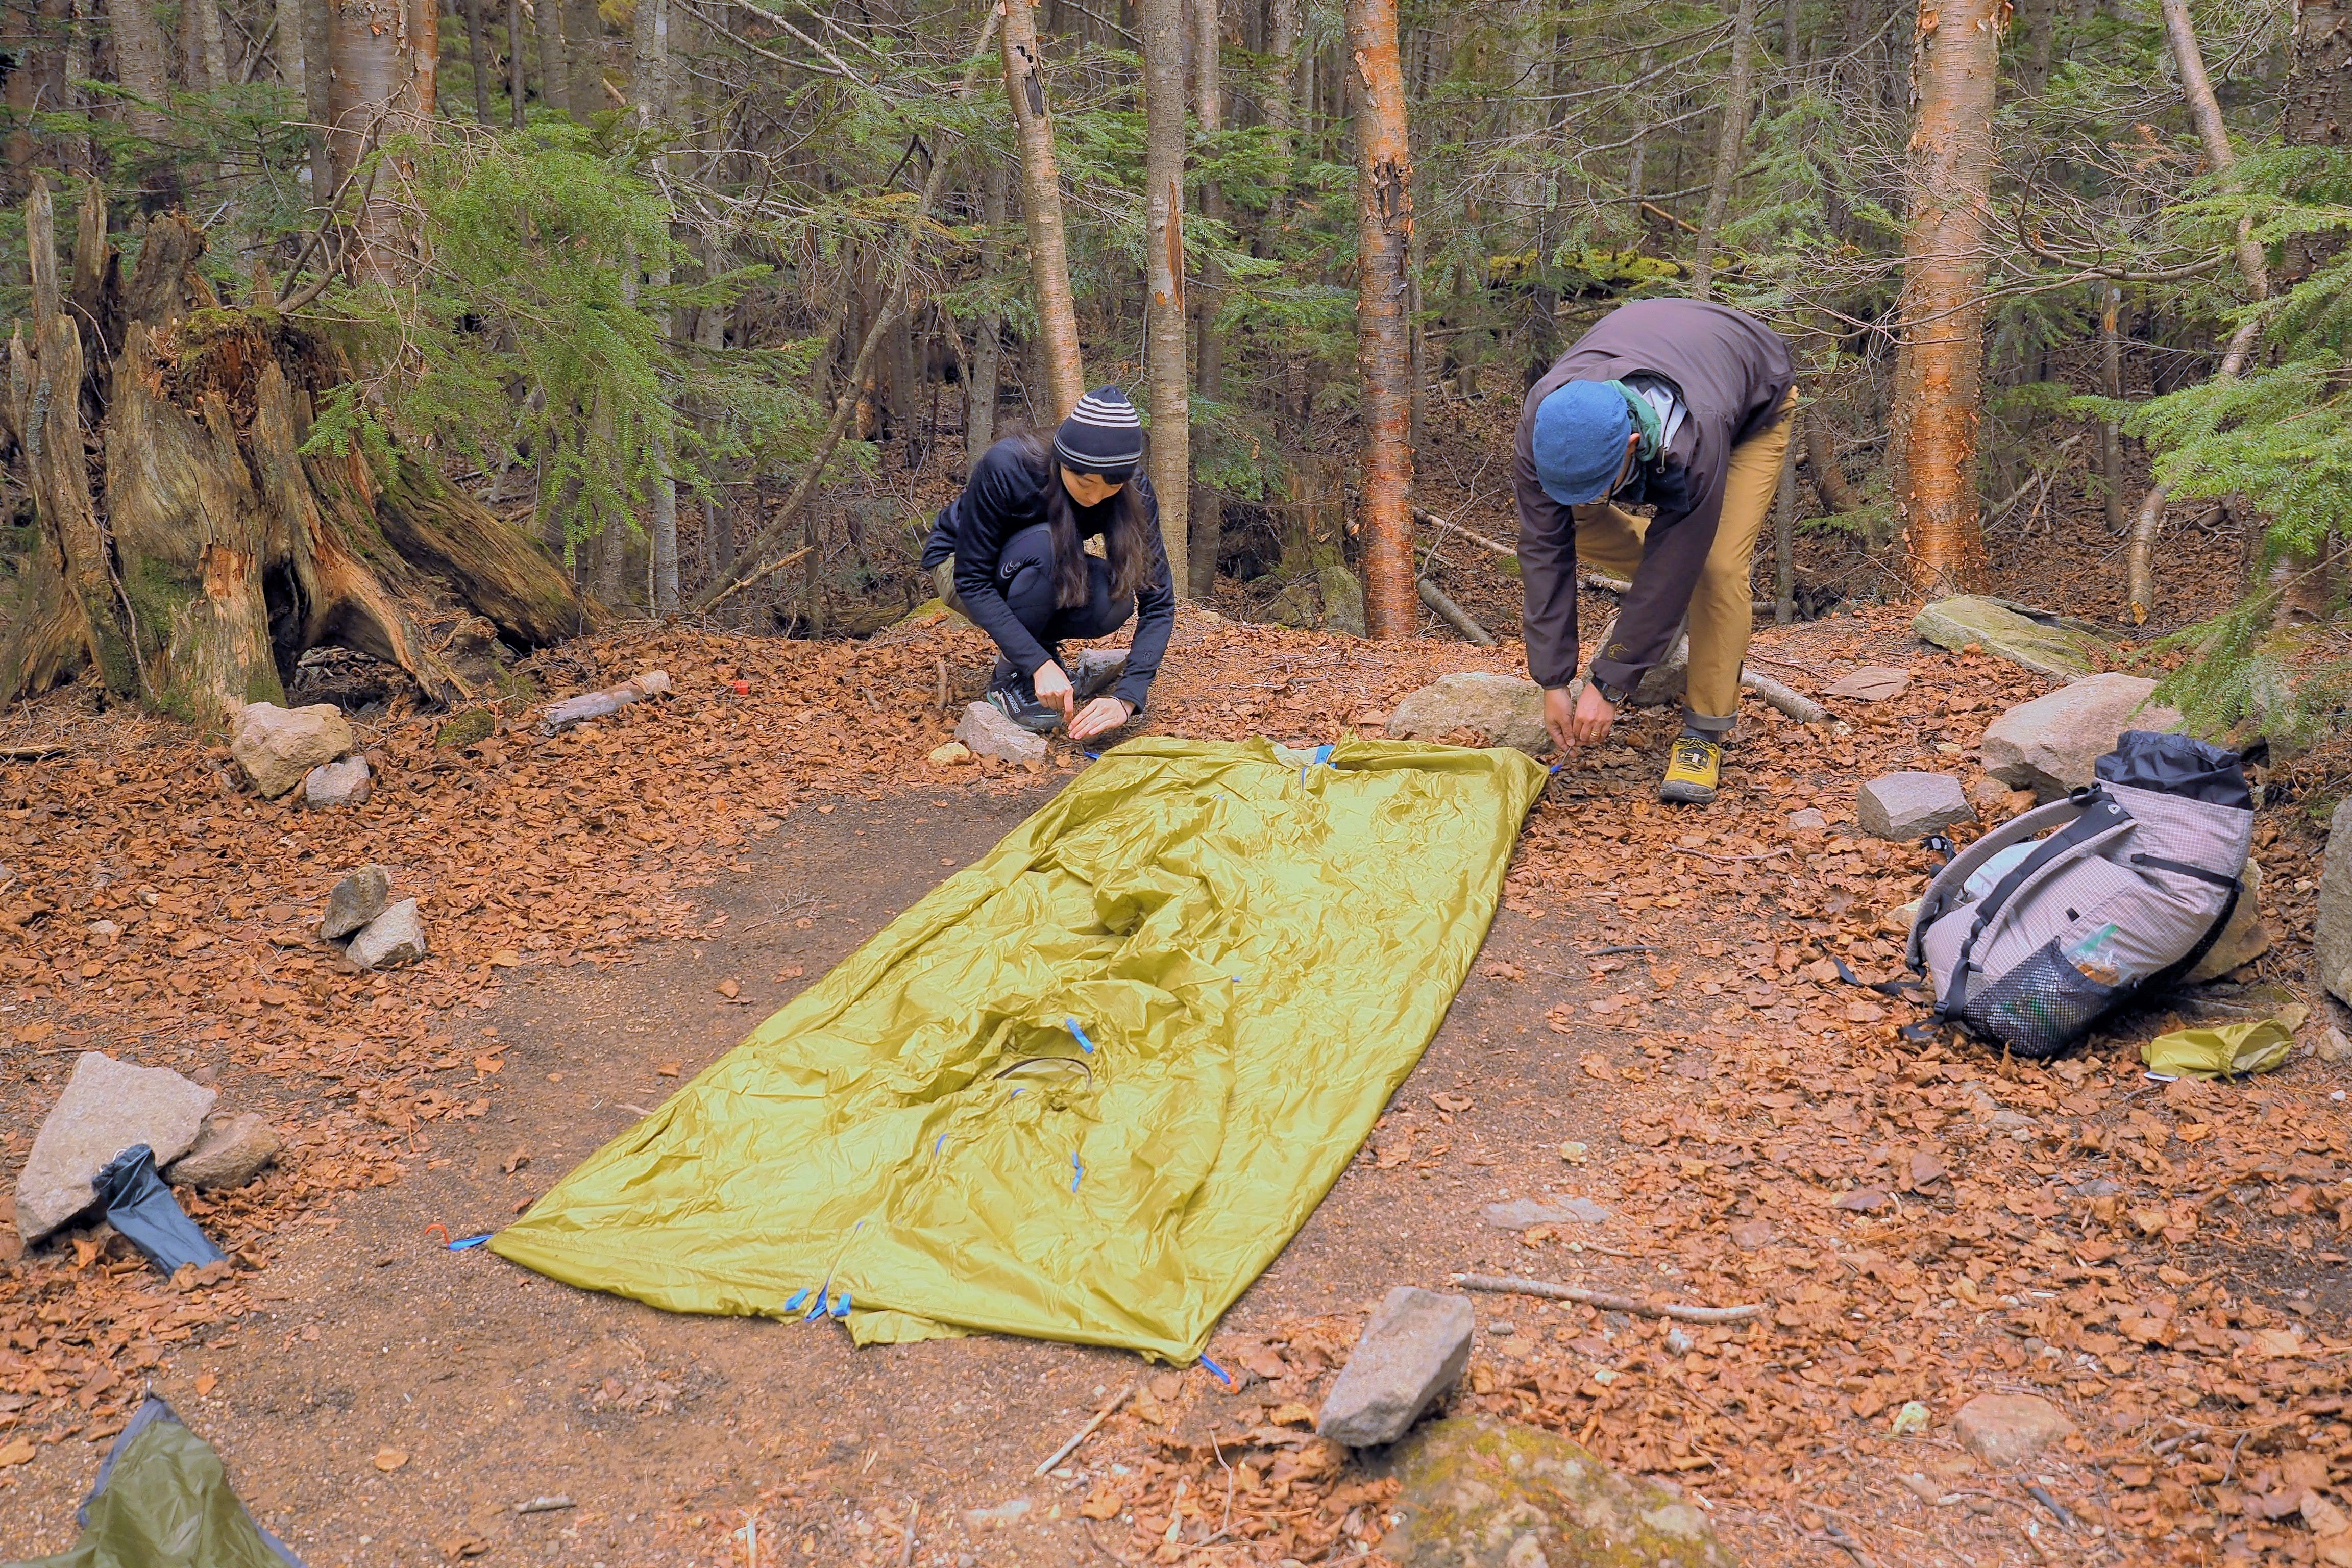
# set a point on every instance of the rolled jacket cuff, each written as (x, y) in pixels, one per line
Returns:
(1618, 676)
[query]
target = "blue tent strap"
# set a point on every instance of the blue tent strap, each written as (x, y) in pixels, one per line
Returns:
(466, 1243)
(1080, 1034)
(1220, 1373)
(1322, 755)
(1077, 1172)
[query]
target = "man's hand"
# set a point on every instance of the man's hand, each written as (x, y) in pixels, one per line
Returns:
(1100, 717)
(1054, 689)
(1584, 722)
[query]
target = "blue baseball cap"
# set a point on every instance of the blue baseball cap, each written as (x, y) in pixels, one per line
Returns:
(1580, 441)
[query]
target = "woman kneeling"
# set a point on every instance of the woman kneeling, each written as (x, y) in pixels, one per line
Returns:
(1013, 543)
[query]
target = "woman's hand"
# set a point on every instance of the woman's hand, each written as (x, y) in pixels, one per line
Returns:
(1100, 717)
(1054, 690)
(1584, 722)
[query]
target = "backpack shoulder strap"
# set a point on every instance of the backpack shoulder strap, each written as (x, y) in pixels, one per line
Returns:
(1944, 892)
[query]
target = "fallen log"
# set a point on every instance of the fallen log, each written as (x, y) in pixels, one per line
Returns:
(1641, 1307)
(562, 716)
(1802, 708)
(1453, 615)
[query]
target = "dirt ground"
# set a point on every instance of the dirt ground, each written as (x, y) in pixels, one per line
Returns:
(381, 1399)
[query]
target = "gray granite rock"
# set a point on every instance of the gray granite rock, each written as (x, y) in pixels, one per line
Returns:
(1522, 1213)
(276, 746)
(2245, 939)
(1502, 710)
(2050, 645)
(988, 733)
(358, 898)
(229, 1152)
(1478, 1493)
(393, 937)
(1807, 819)
(1095, 670)
(2331, 938)
(1904, 807)
(2052, 744)
(1411, 1351)
(1343, 600)
(343, 782)
(107, 1107)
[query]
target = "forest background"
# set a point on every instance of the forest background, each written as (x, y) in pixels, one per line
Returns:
(717, 298)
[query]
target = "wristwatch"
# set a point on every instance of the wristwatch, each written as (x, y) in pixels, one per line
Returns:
(1610, 694)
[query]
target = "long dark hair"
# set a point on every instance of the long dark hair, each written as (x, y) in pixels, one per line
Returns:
(1129, 543)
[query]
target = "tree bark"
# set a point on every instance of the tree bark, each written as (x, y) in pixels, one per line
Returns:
(2314, 117)
(37, 85)
(290, 49)
(317, 69)
(1041, 210)
(1279, 104)
(381, 56)
(516, 85)
(987, 374)
(650, 87)
(1820, 457)
(1166, 326)
(1203, 519)
(201, 45)
(194, 565)
(1384, 350)
(554, 69)
(1957, 70)
(584, 55)
(139, 62)
(1731, 146)
(2111, 381)
(478, 59)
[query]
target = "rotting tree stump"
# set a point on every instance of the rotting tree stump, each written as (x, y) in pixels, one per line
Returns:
(187, 552)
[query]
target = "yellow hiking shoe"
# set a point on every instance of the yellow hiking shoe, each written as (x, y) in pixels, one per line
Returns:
(1693, 770)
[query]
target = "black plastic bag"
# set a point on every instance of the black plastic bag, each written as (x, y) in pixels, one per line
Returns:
(142, 1208)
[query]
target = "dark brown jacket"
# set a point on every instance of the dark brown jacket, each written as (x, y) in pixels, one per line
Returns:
(1733, 373)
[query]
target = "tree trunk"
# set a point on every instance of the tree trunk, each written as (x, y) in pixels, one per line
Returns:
(1384, 350)
(139, 62)
(516, 86)
(1731, 146)
(1957, 69)
(201, 45)
(554, 69)
(2039, 20)
(1279, 104)
(2111, 381)
(478, 59)
(1041, 210)
(650, 86)
(290, 49)
(37, 84)
(987, 339)
(195, 564)
(1203, 512)
(1820, 457)
(1523, 121)
(1160, 23)
(318, 93)
(382, 56)
(584, 54)
(2314, 117)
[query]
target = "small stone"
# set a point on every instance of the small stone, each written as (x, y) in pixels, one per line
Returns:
(949, 755)
(343, 782)
(1522, 1213)
(1904, 807)
(2005, 1430)
(107, 1107)
(1003, 1513)
(1478, 1493)
(1574, 1153)
(2334, 1047)
(277, 746)
(1808, 820)
(229, 1152)
(2046, 644)
(2245, 939)
(1411, 1351)
(1501, 710)
(987, 733)
(1871, 683)
(1679, 1342)
(393, 937)
(1343, 600)
(2052, 744)
(358, 898)
(2331, 937)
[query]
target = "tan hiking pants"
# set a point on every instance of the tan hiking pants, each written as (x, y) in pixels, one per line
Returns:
(1609, 541)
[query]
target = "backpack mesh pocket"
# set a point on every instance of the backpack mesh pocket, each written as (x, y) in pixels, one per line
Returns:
(2040, 1007)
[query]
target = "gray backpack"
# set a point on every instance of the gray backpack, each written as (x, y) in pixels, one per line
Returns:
(2050, 922)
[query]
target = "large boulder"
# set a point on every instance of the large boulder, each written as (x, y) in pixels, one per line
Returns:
(108, 1106)
(277, 746)
(1904, 807)
(2245, 939)
(1505, 709)
(1343, 600)
(1410, 1352)
(1489, 1494)
(2052, 744)
(2047, 645)
(2331, 938)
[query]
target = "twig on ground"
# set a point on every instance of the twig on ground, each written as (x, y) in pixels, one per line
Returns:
(1087, 1431)
(1835, 1534)
(1509, 1285)
(2041, 1496)
(1622, 947)
(31, 753)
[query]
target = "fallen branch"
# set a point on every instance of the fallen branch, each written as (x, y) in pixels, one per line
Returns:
(1608, 585)
(1087, 1431)
(1802, 708)
(31, 753)
(1453, 615)
(1434, 521)
(772, 566)
(562, 716)
(1508, 1285)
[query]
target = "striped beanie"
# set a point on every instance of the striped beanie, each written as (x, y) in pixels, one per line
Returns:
(1102, 436)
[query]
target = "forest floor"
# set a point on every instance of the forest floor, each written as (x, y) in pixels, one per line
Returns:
(612, 908)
